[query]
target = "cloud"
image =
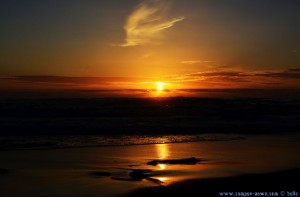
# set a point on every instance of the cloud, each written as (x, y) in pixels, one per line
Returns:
(145, 24)
(285, 74)
(219, 74)
(75, 81)
(293, 70)
(240, 78)
(195, 62)
(148, 55)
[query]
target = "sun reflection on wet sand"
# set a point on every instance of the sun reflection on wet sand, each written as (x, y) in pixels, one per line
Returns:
(162, 179)
(162, 166)
(162, 151)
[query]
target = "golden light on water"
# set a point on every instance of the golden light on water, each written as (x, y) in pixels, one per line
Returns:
(162, 179)
(162, 151)
(162, 166)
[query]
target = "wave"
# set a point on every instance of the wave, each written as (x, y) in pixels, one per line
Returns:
(56, 142)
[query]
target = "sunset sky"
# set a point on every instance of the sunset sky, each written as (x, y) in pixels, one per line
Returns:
(97, 45)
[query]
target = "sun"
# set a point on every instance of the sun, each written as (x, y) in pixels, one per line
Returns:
(160, 86)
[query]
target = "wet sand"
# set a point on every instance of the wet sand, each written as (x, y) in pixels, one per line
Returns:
(107, 171)
(283, 183)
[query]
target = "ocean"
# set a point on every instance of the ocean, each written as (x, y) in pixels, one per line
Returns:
(102, 147)
(83, 122)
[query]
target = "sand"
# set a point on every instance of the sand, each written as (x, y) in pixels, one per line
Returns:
(283, 183)
(105, 171)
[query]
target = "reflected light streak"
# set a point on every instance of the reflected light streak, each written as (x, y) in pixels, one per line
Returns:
(162, 166)
(162, 151)
(162, 179)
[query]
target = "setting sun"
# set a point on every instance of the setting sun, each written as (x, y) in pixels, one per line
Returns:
(160, 86)
(149, 97)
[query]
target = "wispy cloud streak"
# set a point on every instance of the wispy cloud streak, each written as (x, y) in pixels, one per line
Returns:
(240, 78)
(145, 24)
(195, 62)
(65, 80)
(286, 74)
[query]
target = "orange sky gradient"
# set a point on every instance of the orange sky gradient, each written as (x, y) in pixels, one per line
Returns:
(126, 47)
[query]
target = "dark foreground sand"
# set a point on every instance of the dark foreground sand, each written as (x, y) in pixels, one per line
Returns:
(284, 183)
(253, 164)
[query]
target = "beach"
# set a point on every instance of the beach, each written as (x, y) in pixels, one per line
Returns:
(127, 98)
(108, 170)
(270, 184)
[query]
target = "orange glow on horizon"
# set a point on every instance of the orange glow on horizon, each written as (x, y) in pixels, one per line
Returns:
(160, 86)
